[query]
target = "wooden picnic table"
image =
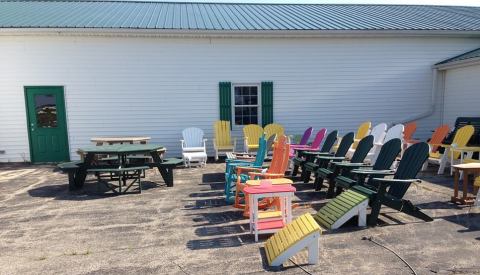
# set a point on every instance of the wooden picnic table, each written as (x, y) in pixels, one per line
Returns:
(466, 168)
(115, 140)
(122, 151)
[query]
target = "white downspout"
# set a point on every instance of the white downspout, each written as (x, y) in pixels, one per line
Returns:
(431, 106)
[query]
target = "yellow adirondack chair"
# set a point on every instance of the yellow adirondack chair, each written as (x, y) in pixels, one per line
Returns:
(461, 139)
(222, 141)
(363, 131)
(252, 134)
(272, 129)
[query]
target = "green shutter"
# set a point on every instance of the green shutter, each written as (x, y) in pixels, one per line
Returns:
(267, 103)
(225, 96)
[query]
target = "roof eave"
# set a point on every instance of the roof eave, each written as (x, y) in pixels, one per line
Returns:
(458, 64)
(235, 33)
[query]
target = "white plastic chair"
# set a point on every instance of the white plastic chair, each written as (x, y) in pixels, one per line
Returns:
(194, 146)
(394, 132)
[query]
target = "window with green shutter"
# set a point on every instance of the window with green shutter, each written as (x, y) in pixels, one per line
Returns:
(244, 104)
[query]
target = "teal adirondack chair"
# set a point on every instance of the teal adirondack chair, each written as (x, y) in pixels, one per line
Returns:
(376, 187)
(386, 157)
(331, 172)
(231, 174)
(304, 156)
(342, 150)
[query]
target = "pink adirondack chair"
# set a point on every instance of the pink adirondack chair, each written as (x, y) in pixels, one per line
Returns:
(314, 146)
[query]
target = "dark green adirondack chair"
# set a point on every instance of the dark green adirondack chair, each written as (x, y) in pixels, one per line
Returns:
(376, 188)
(386, 157)
(332, 171)
(342, 150)
(304, 156)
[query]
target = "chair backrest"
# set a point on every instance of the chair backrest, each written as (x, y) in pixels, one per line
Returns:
(461, 138)
(193, 137)
(363, 130)
(409, 130)
(261, 152)
(280, 157)
(363, 147)
(411, 163)
(273, 128)
(270, 142)
(388, 154)
(394, 132)
(306, 136)
(319, 138)
(222, 132)
(252, 132)
(329, 141)
(378, 132)
(459, 123)
(345, 144)
(439, 135)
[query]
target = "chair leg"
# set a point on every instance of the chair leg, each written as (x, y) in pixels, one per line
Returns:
(295, 170)
(443, 164)
(313, 252)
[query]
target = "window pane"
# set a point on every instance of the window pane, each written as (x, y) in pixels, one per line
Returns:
(46, 111)
(238, 100)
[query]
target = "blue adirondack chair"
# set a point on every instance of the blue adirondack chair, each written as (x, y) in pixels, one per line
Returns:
(231, 175)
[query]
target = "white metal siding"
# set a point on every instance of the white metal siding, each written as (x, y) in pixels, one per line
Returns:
(462, 93)
(158, 86)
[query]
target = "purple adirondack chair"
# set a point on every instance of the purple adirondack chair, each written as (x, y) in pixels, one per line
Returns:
(305, 137)
(314, 146)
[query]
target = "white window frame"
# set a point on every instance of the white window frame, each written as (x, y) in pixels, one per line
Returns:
(259, 102)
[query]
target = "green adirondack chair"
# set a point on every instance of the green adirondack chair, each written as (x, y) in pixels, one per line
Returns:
(319, 162)
(331, 172)
(376, 187)
(386, 157)
(304, 156)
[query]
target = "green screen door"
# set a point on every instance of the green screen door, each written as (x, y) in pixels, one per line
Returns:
(47, 126)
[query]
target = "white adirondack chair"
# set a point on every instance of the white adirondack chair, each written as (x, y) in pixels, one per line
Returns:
(394, 132)
(378, 133)
(194, 147)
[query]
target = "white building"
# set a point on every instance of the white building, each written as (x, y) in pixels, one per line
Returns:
(152, 69)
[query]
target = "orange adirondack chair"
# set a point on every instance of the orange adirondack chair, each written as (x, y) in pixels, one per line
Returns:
(408, 131)
(277, 169)
(437, 137)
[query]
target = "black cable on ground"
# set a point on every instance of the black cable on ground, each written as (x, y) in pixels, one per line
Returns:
(299, 266)
(391, 250)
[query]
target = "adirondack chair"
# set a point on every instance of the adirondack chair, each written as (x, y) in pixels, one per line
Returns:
(437, 137)
(390, 191)
(394, 132)
(231, 169)
(388, 153)
(223, 141)
(320, 162)
(312, 147)
(277, 169)
(362, 131)
(332, 170)
(273, 129)
(304, 156)
(378, 132)
(194, 146)
(305, 137)
(251, 133)
(461, 139)
(408, 132)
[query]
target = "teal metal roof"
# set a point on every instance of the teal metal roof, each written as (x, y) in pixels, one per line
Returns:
(233, 17)
(468, 55)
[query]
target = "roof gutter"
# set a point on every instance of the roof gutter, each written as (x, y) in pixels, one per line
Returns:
(234, 33)
(458, 64)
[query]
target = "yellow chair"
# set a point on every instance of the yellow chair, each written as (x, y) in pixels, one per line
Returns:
(363, 131)
(273, 129)
(461, 139)
(222, 141)
(252, 134)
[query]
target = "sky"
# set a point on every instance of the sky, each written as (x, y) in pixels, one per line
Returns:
(406, 2)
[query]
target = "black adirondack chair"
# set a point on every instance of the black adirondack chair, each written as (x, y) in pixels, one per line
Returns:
(386, 157)
(304, 156)
(332, 171)
(376, 187)
(342, 150)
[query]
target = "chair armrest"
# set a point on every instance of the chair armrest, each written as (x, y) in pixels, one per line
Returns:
(265, 175)
(374, 172)
(389, 182)
(316, 153)
(330, 158)
(241, 169)
(352, 164)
